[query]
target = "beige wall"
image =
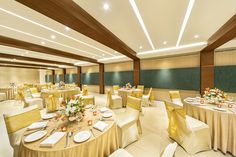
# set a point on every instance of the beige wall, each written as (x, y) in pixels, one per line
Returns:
(18, 76)
(225, 58)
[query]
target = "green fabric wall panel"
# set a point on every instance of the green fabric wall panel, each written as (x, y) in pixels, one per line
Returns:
(71, 78)
(181, 78)
(119, 78)
(225, 78)
(58, 78)
(48, 78)
(90, 78)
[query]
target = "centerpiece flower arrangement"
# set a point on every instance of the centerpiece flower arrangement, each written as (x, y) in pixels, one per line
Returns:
(214, 95)
(128, 86)
(73, 109)
(61, 84)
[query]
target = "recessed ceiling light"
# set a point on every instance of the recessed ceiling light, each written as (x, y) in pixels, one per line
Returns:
(42, 42)
(106, 6)
(165, 42)
(196, 36)
(67, 28)
(115, 52)
(140, 47)
(53, 37)
(103, 54)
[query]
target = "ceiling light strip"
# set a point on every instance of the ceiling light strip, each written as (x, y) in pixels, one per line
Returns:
(138, 15)
(29, 34)
(50, 29)
(173, 48)
(186, 17)
(111, 58)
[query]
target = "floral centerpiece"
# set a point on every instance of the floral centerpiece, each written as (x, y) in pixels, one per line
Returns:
(128, 86)
(61, 84)
(214, 95)
(73, 109)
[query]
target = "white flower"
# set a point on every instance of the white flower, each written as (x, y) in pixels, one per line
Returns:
(72, 110)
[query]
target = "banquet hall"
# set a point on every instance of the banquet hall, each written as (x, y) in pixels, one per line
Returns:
(118, 78)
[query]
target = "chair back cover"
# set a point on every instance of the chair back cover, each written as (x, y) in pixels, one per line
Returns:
(21, 119)
(141, 87)
(85, 90)
(109, 98)
(51, 103)
(33, 90)
(175, 97)
(177, 128)
(169, 151)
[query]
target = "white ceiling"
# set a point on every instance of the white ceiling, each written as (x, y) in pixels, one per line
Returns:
(163, 20)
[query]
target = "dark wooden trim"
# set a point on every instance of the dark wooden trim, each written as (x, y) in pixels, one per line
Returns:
(226, 33)
(53, 76)
(136, 67)
(101, 79)
(42, 49)
(79, 69)
(64, 75)
(72, 15)
(25, 67)
(27, 64)
(23, 58)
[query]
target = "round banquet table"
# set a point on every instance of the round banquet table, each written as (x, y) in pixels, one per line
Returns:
(65, 93)
(222, 124)
(100, 145)
(124, 93)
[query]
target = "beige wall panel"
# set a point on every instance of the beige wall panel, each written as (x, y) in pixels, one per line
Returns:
(58, 72)
(49, 72)
(124, 66)
(71, 71)
(18, 76)
(90, 69)
(171, 62)
(225, 58)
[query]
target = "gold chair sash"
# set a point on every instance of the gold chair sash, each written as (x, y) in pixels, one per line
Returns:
(33, 90)
(51, 104)
(141, 87)
(134, 103)
(109, 98)
(174, 94)
(17, 122)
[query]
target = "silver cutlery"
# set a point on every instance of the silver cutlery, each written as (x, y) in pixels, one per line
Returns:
(31, 132)
(91, 130)
(67, 137)
(70, 135)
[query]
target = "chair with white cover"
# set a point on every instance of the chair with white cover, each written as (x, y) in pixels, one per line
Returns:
(192, 134)
(128, 122)
(3, 96)
(120, 153)
(35, 93)
(113, 101)
(17, 122)
(87, 98)
(115, 89)
(169, 151)
(141, 87)
(29, 101)
(175, 97)
(146, 98)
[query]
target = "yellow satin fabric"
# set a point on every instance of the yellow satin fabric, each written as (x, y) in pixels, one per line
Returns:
(22, 98)
(33, 90)
(141, 87)
(17, 122)
(174, 94)
(51, 104)
(177, 125)
(109, 98)
(134, 103)
(116, 87)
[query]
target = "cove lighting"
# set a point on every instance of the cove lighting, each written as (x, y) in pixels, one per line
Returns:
(80, 63)
(111, 58)
(138, 15)
(173, 48)
(186, 17)
(42, 42)
(50, 29)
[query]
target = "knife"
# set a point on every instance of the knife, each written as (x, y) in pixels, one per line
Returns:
(67, 139)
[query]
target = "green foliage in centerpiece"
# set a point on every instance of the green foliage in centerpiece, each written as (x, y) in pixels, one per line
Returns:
(214, 94)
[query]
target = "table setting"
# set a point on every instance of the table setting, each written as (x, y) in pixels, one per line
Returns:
(73, 130)
(218, 110)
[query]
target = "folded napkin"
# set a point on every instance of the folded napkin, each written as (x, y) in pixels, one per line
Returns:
(37, 125)
(53, 139)
(104, 109)
(101, 126)
(233, 110)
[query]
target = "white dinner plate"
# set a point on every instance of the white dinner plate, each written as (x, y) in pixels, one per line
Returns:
(88, 106)
(82, 136)
(49, 115)
(35, 136)
(220, 109)
(103, 109)
(107, 115)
